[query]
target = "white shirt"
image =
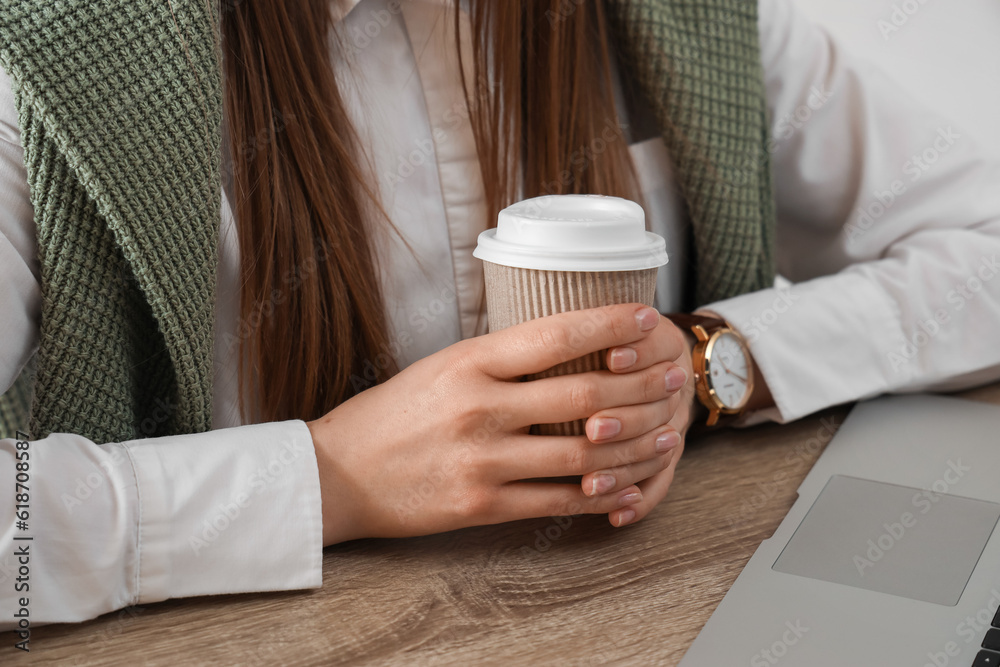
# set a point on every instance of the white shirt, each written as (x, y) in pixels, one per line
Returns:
(899, 298)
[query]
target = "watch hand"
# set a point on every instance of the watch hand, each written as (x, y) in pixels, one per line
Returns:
(738, 377)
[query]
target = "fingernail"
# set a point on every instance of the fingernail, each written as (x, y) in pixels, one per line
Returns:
(625, 517)
(647, 318)
(605, 428)
(677, 377)
(630, 499)
(622, 358)
(667, 441)
(602, 484)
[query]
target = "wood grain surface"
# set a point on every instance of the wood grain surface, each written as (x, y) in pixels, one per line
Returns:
(569, 591)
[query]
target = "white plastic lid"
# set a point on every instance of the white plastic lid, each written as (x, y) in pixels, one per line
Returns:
(573, 233)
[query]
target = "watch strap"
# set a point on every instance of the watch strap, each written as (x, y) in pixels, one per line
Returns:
(709, 325)
(688, 321)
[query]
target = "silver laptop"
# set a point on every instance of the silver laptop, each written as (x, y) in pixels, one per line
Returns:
(890, 556)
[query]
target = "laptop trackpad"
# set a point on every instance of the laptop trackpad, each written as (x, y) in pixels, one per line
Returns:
(892, 539)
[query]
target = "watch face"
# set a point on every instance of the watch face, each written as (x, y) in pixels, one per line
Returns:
(729, 370)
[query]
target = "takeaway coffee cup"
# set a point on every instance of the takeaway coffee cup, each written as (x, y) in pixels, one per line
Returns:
(559, 253)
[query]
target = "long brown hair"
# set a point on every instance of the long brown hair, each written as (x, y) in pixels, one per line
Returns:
(313, 319)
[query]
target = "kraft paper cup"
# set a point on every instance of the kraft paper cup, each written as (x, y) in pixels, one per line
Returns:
(559, 253)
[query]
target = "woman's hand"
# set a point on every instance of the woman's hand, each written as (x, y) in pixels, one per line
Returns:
(445, 443)
(670, 418)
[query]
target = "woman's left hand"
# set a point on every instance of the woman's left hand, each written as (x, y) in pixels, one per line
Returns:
(665, 343)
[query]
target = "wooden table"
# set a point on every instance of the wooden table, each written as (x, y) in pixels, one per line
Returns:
(545, 592)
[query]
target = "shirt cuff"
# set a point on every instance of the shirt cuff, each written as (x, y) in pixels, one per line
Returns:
(232, 511)
(819, 343)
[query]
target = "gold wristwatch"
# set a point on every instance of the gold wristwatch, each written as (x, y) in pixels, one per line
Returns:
(723, 368)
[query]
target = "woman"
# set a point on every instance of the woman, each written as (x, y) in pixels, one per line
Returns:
(331, 332)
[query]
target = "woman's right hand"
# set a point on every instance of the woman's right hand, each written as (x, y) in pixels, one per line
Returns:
(445, 443)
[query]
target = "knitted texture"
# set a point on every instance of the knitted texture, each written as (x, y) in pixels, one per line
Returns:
(698, 64)
(120, 112)
(14, 407)
(119, 107)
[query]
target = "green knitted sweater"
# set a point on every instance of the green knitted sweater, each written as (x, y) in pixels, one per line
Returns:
(120, 110)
